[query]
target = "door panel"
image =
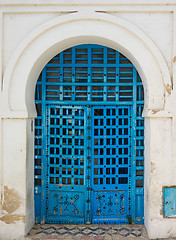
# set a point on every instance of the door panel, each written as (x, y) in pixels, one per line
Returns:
(110, 207)
(111, 163)
(68, 152)
(66, 164)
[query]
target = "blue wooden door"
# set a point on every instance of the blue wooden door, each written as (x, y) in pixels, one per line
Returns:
(66, 164)
(111, 164)
(89, 139)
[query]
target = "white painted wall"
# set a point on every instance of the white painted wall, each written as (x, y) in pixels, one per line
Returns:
(14, 178)
(32, 32)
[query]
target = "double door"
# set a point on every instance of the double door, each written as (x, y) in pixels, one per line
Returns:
(88, 165)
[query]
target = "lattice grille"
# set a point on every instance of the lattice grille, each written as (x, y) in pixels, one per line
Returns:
(110, 149)
(66, 145)
(66, 165)
(109, 74)
(111, 143)
(89, 75)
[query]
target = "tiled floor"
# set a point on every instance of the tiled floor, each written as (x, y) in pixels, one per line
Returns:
(88, 232)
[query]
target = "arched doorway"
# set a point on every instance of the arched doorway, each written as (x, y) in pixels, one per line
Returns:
(24, 68)
(89, 138)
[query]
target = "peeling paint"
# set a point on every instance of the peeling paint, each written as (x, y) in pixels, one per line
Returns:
(60, 185)
(10, 218)
(11, 200)
(152, 165)
(61, 211)
(174, 59)
(43, 220)
(161, 212)
(155, 111)
(168, 88)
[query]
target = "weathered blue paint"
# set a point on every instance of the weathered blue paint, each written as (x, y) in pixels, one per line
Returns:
(169, 201)
(111, 164)
(66, 164)
(89, 139)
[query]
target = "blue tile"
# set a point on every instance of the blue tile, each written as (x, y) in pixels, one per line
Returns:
(169, 201)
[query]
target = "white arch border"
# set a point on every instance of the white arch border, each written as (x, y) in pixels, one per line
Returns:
(80, 28)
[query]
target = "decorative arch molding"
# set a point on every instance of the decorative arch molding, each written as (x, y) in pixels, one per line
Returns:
(66, 31)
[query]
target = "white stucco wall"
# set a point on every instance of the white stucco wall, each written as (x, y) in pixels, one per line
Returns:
(32, 32)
